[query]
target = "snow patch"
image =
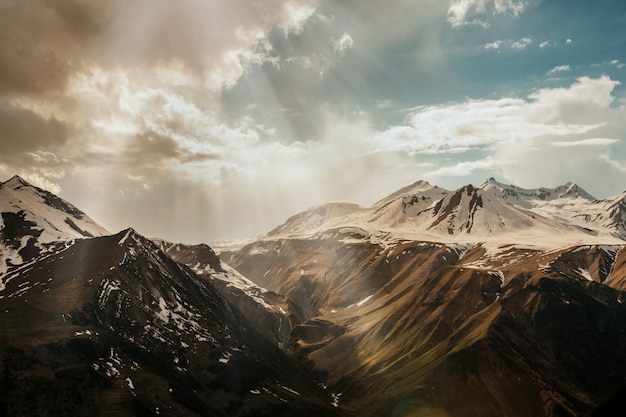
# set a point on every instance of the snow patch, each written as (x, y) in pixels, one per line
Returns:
(130, 383)
(363, 301)
(225, 357)
(294, 392)
(499, 275)
(584, 273)
(122, 240)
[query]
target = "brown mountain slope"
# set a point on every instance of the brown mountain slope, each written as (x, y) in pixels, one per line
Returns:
(456, 331)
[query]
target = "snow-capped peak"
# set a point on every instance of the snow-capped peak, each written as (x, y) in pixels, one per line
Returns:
(15, 182)
(492, 212)
(420, 187)
(34, 221)
(535, 197)
(55, 218)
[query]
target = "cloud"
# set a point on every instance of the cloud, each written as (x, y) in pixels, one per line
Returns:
(22, 130)
(471, 12)
(544, 44)
(556, 126)
(493, 45)
(558, 112)
(343, 44)
(522, 43)
(42, 168)
(45, 43)
(463, 169)
(560, 68)
(587, 142)
(297, 15)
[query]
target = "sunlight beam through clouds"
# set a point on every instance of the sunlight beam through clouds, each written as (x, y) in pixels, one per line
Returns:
(241, 113)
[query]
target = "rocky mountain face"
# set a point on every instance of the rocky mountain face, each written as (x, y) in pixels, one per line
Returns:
(113, 326)
(275, 314)
(456, 303)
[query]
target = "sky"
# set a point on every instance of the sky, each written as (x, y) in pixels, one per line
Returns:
(203, 120)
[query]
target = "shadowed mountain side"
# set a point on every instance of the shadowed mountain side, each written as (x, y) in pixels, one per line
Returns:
(272, 313)
(134, 333)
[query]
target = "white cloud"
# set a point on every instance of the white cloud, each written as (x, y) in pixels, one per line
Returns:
(478, 123)
(343, 44)
(295, 16)
(492, 45)
(544, 44)
(522, 43)
(463, 169)
(587, 142)
(560, 68)
(568, 41)
(472, 12)
(552, 126)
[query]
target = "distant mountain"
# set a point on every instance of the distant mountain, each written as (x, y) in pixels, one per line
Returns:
(567, 203)
(111, 325)
(493, 212)
(529, 198)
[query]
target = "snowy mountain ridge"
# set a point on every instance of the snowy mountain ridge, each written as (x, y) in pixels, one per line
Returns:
(492, 213)
(54, 217)
(528, 198)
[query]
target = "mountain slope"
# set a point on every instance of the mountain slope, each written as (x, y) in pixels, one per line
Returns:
(397, 329)
(458, 303)
(266, 310)
(54, 217)
(113, 326)
(33, 221)
(138, 333)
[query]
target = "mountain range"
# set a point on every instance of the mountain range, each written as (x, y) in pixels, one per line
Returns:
(491, 300)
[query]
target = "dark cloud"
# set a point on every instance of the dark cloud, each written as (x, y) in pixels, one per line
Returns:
(46, 41)
(81, 18)
(22, 130)
(150, 147)
(41, 47)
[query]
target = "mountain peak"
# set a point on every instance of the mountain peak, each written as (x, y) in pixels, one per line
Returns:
(528, 197)
(15, 183)
(418, 187)
(48, 217)
(491, 181)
